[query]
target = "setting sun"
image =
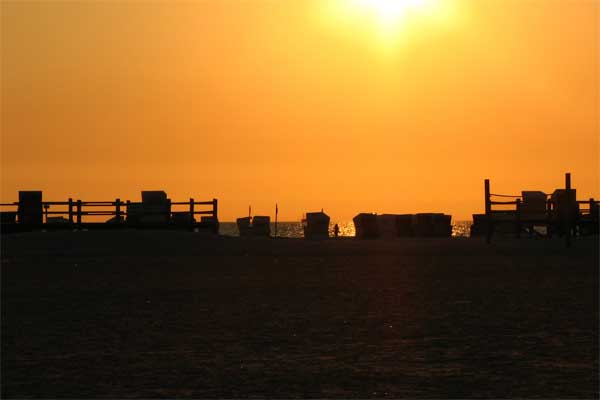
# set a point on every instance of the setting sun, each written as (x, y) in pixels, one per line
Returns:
(391, 12)
(299, 199)
(388, 21)
(376, 104)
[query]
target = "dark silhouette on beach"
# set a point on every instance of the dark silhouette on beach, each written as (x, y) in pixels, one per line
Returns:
(138, 307)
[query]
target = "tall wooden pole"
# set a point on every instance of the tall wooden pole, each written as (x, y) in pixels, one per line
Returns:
(518, 219)
(276, 212)
(70, 211)
(79, 214)
(118, 210)
(215, 216)
(488, 212)
(569, 209)
(549, 218)
(191, 221)
(594, 216)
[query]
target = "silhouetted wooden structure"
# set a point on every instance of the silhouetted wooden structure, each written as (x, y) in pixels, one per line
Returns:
(155, 211)
(387, 225)
(560, 214)
(261, 225)
(30, 208)
(244, 226)
(254, 226)
(316, 225)
(403, 225)
(432, 225)
(365, 226)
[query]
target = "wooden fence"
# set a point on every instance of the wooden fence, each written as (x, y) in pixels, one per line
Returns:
(564, 222)
(72, 213)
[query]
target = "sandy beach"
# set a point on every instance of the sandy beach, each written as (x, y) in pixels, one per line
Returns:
(176, 314)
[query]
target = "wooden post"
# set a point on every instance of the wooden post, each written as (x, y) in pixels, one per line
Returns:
(488, 212)
(127, 204)
(276, 212)
(568, 211)
(549, 218)
(118, 210)
(593, 216)
(70, 211)
(215, 218)
(191, 222)
(518, 219)
(78, 213)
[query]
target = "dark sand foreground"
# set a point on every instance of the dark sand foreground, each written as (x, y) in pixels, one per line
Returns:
(177, 314)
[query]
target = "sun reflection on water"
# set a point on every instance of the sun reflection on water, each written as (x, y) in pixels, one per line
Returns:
(294, 229)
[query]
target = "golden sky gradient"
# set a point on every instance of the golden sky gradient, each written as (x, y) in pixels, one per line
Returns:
(299, 102)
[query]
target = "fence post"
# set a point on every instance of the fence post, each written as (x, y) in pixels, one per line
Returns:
(70, 211)
(568, 211)
(118, 210)
(518, 219)
(127, 203)
(488, 212)
(549, 218)
(593, 216)
(46, 207)
(79, 214)
(215, 218)
(191, 222)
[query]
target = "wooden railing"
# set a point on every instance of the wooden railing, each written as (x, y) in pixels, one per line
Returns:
(567, 220)
(73, 212)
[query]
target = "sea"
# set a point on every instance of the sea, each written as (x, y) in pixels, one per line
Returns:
(294, 229)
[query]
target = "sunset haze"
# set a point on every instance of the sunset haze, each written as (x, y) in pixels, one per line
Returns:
(258, 102)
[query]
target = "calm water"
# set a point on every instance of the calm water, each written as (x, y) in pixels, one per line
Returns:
(294, 229)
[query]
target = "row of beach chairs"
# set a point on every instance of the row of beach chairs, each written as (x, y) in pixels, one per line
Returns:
(372, 226)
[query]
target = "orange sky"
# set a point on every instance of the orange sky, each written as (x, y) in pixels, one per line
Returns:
(258, 101)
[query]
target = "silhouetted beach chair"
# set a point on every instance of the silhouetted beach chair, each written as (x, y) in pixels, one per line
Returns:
(244, 226)
(387, 225)
(365, 225)
(534, 210)
(404, 225)
(30, 211)
(156, 208)
(261, 226)
(316, 225)
(182, 219)
(565, 211)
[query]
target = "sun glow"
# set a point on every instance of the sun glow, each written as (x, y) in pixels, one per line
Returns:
(389, 20)
(390, 12)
